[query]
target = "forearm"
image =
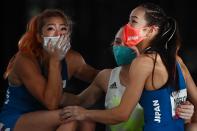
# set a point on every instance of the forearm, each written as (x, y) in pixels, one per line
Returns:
(194, 117)
(92, 93)
(69, 99)
(89, 98)
(111, 116)
(53, 90)
(86, 101)
(191, 127)
(86, 73)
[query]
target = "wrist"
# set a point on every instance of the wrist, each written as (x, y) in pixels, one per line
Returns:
(187, 121)
(54, 59)
(54, 64)
(87, 115)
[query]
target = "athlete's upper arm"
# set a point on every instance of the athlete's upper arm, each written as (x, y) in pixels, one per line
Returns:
(79, 68)
(191, 86)
(30, 75)
(140, 69)
(96, 89)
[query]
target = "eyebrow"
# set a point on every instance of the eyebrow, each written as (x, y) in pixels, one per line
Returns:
(54, 24)
(133, 16)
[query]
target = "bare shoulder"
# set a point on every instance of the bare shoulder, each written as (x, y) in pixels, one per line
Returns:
(25, 62)
(102, 78)
(183, 66)
(73, 55)
(74, 59)
(20, 65)
(180, 61)
(143, 62)
(104, 74)
(22, 59)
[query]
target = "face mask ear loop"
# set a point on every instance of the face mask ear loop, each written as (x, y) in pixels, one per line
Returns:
(166, 45)
(146, 49)
(165, 32)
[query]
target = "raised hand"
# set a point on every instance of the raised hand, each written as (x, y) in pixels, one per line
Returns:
(57, 46)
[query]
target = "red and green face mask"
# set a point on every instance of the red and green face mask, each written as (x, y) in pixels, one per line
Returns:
(131, 35)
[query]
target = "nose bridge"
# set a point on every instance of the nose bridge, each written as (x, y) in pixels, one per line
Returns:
(58, 31)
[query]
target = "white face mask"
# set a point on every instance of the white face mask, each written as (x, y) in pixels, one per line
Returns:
(54, 40)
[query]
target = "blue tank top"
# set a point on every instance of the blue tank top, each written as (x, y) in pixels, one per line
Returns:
(19, 101)
(159, 106)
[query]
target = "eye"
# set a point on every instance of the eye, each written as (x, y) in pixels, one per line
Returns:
(133, 21)
(64, 29)
(50, 29)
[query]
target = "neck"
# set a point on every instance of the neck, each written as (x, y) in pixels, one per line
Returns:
(125, 69)
(141, 46)
(124, 75)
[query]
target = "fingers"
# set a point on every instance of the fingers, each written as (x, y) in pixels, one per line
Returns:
(57, 46)
(66, 47)
(59, 42)
(49, 46)
(65, 115)
(63, 45)
(68, 113)
(72, 113)
(63, 41)
(67, 120)
(185, 110)
(184, 114)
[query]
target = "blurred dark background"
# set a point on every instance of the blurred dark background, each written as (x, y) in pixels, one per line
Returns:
(95, 24)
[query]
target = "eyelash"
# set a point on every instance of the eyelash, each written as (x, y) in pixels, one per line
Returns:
(50, 28)
(133, 21)
(62, 29)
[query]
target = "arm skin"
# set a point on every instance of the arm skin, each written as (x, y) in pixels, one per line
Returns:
(48, 91)
(97, 88)
(192, 95)
(78, 68)
(139, 73)
(113, 116)
(91, 94)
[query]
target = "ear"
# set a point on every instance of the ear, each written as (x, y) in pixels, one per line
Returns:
(152, 31)
(39, 38)
(155, 28)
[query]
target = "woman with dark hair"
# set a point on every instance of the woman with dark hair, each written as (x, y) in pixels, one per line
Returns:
(38, 73)
(158, 79)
